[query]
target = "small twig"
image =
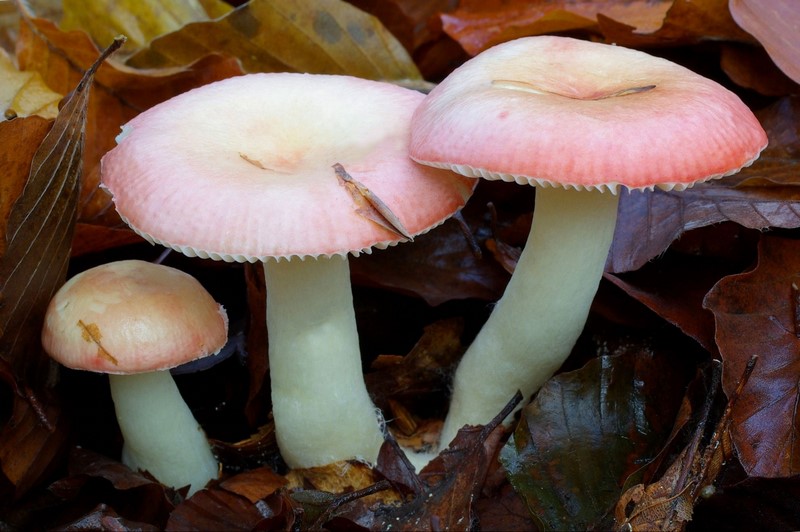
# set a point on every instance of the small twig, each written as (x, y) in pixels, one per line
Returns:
(474, 247)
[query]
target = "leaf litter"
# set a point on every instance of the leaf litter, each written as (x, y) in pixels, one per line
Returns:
(440, 273)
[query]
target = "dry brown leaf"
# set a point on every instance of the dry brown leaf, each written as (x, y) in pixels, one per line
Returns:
(19, 140)
(33, 266)
(766, 194)
(686, 22)
(755, 314)
(255, 484)
(668, 503)
(480, 24)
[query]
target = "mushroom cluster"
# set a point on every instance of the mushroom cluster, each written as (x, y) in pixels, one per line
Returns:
(300, 171)
(578, 120)
(134, 321)
(297, 171)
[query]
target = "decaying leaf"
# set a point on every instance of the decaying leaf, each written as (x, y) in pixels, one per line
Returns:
(89, 471)
(749, 66)
(668, 504)
(421, 370)
(103, 517)
(450, 483)
(686, 22)
(216, 509)
(674, 285)
(755, 315)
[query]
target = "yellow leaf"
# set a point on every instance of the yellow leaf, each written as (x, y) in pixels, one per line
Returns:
(140, 21)
(25, 93)
(316, 36)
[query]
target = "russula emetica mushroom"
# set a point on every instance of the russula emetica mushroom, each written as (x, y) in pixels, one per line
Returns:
(284, 168)
(579, 121)
(135, 320)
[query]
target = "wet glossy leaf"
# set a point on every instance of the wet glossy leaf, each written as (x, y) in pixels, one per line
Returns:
(587, 431)
(774, 24)
(328, 37)
(755, 314)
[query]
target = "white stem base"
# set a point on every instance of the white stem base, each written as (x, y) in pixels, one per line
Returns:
(161, 434)
(320, 403)
(534, 326)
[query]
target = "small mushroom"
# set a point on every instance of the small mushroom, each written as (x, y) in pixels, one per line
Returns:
(578, 120)
(296, 171)
(135, 320)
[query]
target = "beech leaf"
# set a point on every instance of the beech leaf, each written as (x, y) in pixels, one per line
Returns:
(39, 229)
(319, 36)
(480, 24)
(686, 22)
(124, 93)
(755, 314)
(587, 431)
(33, 266)
(25, 93)
(766, 194)
(139, 20)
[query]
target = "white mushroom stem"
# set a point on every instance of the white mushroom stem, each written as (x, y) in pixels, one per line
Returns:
(534, 326)
(161, 434)
(320, 403)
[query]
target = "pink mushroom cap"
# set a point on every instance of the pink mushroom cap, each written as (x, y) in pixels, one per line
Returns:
(243, 169)
(131, 317)
(564, 112)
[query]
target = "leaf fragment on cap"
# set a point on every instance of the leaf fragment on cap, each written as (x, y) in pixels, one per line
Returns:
(91, 333)
(369, 205)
